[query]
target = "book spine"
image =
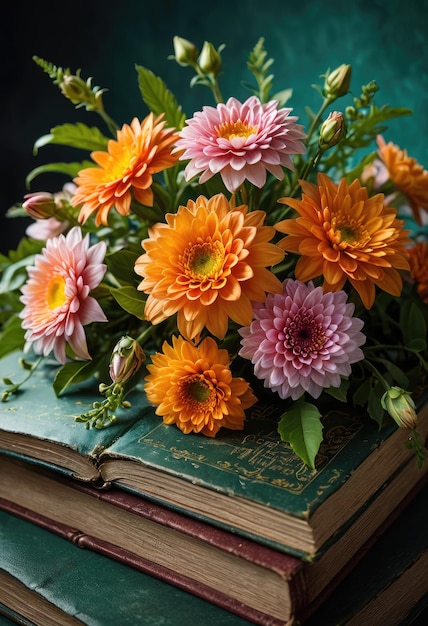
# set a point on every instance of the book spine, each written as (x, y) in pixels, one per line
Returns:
(85, 541)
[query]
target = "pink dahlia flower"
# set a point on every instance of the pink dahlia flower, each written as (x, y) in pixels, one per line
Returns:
(240, 141)
(56, 295)
(302, 340)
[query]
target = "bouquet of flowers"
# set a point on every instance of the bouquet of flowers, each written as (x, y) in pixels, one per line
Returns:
(235, 255)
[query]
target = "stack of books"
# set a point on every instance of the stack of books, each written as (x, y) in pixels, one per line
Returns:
(236, 523)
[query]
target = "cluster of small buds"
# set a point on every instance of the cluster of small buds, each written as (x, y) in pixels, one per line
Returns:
(367, 94)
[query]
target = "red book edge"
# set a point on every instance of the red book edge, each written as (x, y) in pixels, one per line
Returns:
(288, 566)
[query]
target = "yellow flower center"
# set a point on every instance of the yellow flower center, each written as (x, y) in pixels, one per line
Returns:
(56, 292)
(351, 232)
(230, 130)
(204, 260)
(198, 390)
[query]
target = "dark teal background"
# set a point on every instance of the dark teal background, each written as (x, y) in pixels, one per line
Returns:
(385, 40)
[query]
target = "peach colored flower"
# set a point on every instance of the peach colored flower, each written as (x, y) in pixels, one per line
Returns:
(208, 263)
(303, 340)
(418, 259)
(126, 170)
(240, 141)
(56, 295)
(192, 387)
(342, 234)
(408, 176)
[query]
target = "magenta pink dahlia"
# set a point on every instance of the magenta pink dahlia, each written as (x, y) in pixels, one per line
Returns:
(240, 141)
(302, 340)
(56, 295)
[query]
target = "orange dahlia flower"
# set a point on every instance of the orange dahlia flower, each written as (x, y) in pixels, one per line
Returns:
(208, 263)
(408, 176)
(141, 150)
(418, 258)
(192, 387)
(342, 234)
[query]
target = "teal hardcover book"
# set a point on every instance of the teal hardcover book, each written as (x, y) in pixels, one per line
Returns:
(248, 482)
(47, 581)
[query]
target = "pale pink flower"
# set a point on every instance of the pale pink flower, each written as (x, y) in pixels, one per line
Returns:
(44, 229)
(240, 141)
(302, 340)
(56, 295)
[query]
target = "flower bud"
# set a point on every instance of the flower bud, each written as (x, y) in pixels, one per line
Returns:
(127, 358)
(399, 404)
(337, 82)
(40, 204)
(186, 53)
(81, 93)
(209, 59)
(75, 89)
(332, 130)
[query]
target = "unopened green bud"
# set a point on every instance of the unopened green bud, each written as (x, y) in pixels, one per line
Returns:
(127, 358)
(39, 205)
(209, 59)
(186, 53)
(75, 89)
(399, 404)
(337, 82)
(332, 130)
(81, 93)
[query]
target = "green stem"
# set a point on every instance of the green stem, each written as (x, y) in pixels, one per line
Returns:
(378, 375)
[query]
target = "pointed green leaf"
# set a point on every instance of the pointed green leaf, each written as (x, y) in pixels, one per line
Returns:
(121, 265)
(159, 99)
(413, 325)
(131, 300)
(12, 336)
(73, 373)
(74, 135)
(69, 169)
(302, 428)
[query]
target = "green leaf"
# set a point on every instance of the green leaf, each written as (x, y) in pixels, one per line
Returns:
(340, 393)
(73, 373)
(69, 169)
(131, 300)
(282, 96)
(158, 98)
(75, 136)
(15, 275)
(12, 336)
(413, 325)
(302, 428)
(121, 265)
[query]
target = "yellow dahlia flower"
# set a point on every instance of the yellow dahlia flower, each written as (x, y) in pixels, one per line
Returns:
(342, 234)
(192, 387)
(208, 263)
(125, 170)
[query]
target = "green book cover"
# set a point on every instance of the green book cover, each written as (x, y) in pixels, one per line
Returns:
(249, 482)
(45, 576)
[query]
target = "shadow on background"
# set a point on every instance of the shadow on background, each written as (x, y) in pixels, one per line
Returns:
(383, 40)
